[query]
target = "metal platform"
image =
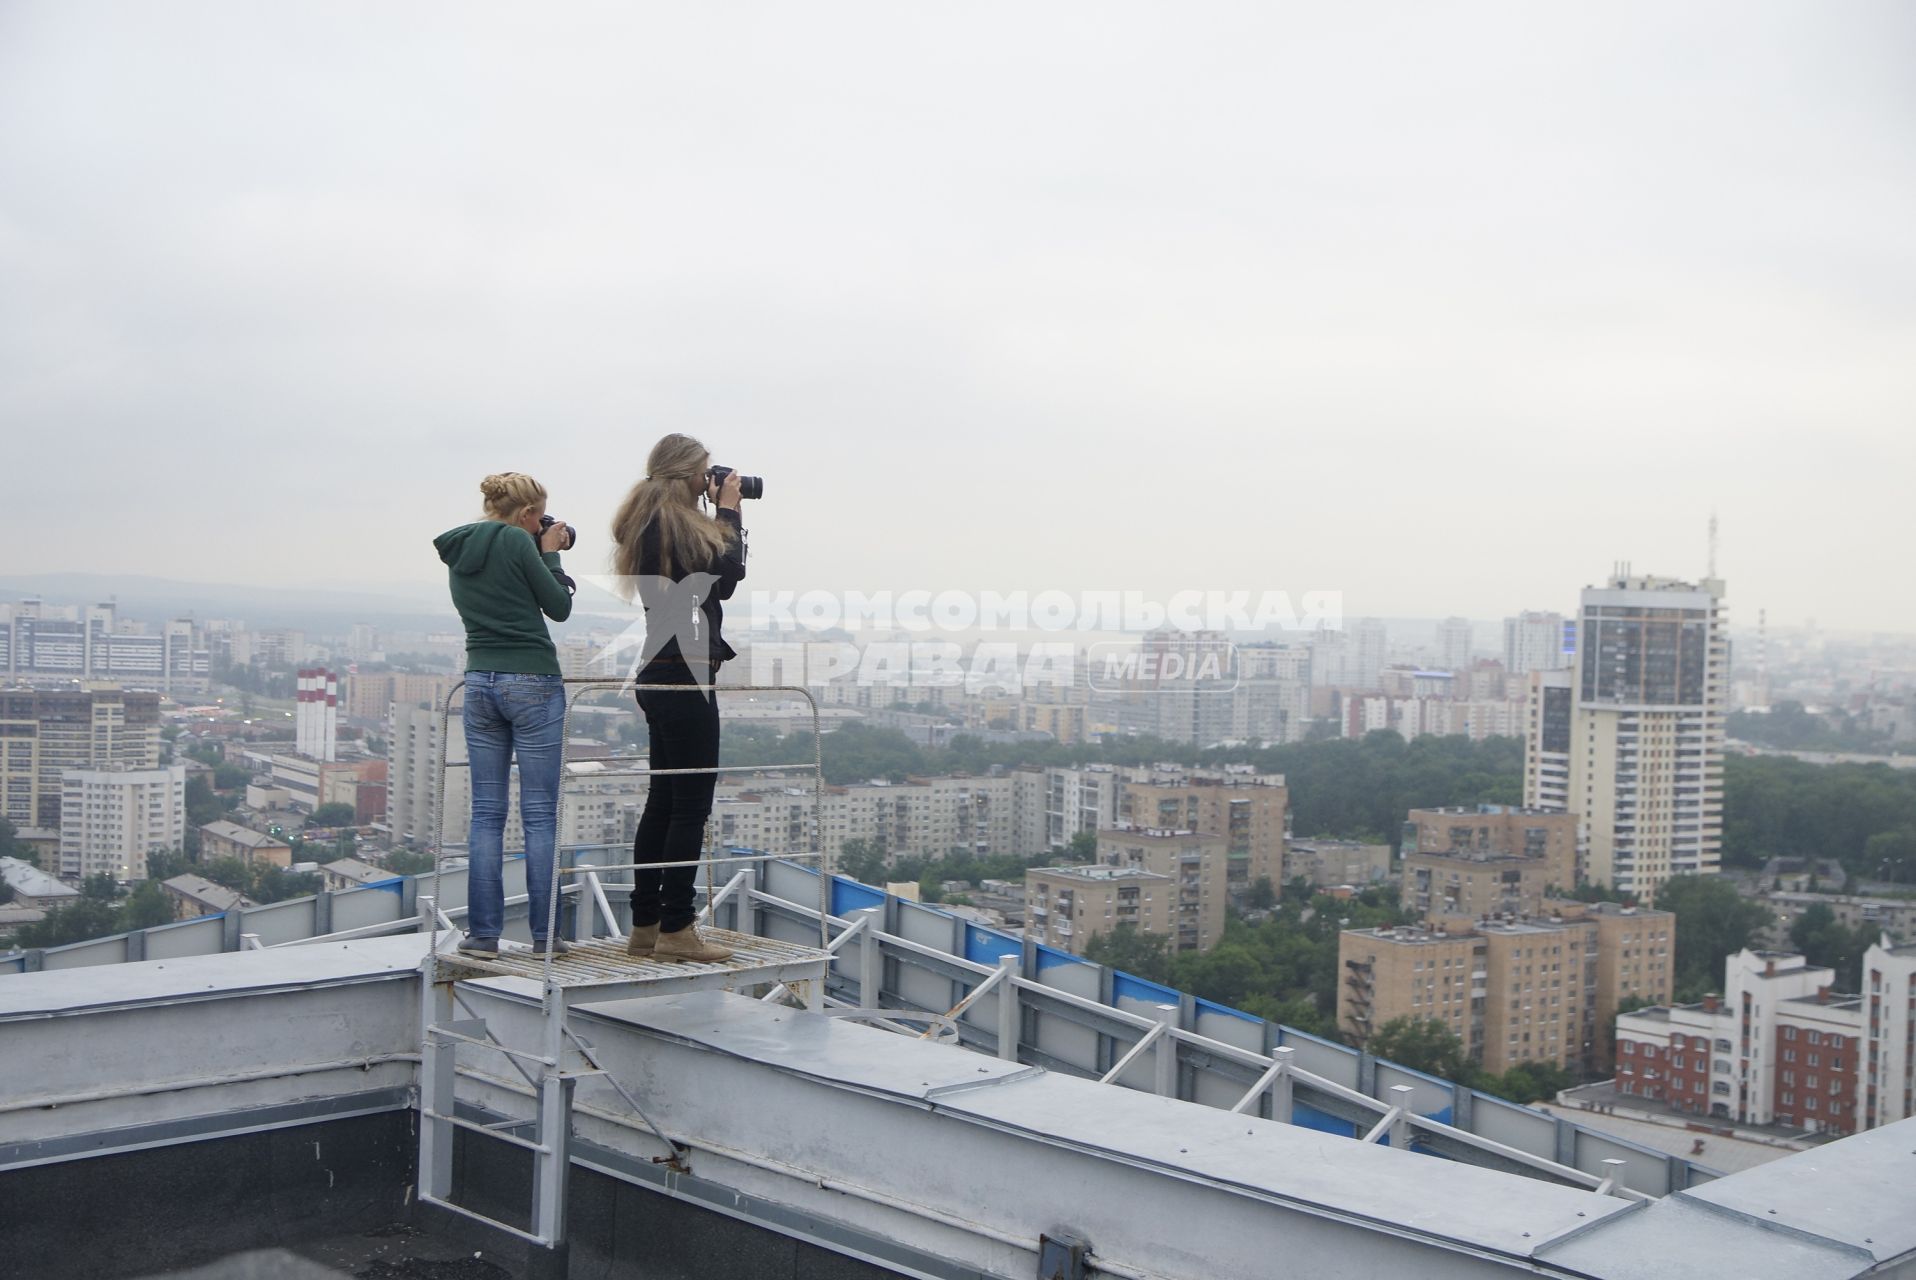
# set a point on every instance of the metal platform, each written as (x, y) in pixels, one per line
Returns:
(601, 970)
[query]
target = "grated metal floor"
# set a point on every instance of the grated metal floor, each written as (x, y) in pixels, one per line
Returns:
(603, 962)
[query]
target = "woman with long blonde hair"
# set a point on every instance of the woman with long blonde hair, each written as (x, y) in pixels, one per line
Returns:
(682, 564)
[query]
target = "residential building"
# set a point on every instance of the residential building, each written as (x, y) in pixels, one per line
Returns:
(1645, 742)
(1537, 642)
(1485, 831)
(1328, 863)
(111, 819)
(351, 873)
(1066, 907)
(36, 889)
(1250, 811)
(1197, 865)
(369, 696)
(1781, 1046)
(193, 896)
(1512, 989)
(1454, 644)
(230, 840)
(44, 733)
(39, 643)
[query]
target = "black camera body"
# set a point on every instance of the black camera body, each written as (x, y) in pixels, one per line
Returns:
(748, 486)
(571, 534)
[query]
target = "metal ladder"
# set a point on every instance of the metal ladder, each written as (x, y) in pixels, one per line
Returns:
(596, 969)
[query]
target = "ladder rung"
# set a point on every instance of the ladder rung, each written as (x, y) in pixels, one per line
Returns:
(494, 1045)
(476, 1127)
(476, 1216)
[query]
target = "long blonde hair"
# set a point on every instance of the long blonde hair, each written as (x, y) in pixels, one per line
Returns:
(668, 497)
(509, 494)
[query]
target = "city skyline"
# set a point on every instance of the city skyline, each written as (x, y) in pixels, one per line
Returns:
(1357, 306)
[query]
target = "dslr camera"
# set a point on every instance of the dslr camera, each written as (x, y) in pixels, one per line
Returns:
(571, 534)
(748, 486)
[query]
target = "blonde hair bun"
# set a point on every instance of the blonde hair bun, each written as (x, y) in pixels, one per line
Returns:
(507, 493)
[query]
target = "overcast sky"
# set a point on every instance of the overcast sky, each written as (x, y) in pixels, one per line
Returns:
(1446, 307)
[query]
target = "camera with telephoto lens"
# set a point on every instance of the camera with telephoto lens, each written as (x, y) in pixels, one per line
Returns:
(571, 534)
(748, 486)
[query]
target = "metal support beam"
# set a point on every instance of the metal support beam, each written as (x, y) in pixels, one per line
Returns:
(1010, 1009)
(1166, 1053)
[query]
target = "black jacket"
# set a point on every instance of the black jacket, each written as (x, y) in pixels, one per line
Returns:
(683, 602)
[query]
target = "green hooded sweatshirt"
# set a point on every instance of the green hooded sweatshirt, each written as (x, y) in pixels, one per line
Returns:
(501, 583)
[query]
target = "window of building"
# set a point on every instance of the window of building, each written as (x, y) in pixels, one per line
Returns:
(1809, 1103)
(1789, 1099)
(1814, 1038)
(1630, 1047)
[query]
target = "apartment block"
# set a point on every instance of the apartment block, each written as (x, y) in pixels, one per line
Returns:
(1066, 907)
(44, 733)
(111, 819)
(1643, 755)
(1328, 863)
(1250, 811)
(1486, 859)
(369, 697)
(1781, 1046)
(1512, 989)
(42, 644)
(230, 840)
(1197, 865)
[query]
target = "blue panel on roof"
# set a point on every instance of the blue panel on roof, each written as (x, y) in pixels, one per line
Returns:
(1311, 1118)
(1124, 984)
(1051, 958)
(395, 885)
(1212, 1006)
(984, 946)
(849, 895)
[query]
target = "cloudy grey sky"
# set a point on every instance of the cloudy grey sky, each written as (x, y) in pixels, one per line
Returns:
(1446, 307)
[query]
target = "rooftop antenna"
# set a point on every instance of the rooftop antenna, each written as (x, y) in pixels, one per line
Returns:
(1712, 573)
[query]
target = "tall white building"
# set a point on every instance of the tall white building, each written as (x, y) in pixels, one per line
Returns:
(1453, 644)
(1535, 642)
(111, 819)
(1643, 758)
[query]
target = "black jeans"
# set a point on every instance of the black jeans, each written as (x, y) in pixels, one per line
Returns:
(684, 727)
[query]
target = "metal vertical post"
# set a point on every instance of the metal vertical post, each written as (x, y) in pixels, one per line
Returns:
(585, 910)
(1010, 1011)
(436, 1084)
(553, 1163)
(1284, 1088)
(871, 959)
(1400, 1127)
(1165, 1052)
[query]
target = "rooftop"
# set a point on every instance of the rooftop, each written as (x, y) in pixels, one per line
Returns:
(29, 881)
(1099, 873)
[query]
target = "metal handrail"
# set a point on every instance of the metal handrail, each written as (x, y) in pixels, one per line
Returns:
(577, 685)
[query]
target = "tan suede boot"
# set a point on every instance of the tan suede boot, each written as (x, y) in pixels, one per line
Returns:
(687, 945)
(640, 941)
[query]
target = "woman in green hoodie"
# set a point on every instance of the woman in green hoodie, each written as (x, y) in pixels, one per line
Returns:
(504, 572)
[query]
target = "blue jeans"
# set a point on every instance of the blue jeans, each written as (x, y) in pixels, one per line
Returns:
(506, 714)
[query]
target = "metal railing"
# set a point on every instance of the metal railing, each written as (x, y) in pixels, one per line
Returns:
(575, 687)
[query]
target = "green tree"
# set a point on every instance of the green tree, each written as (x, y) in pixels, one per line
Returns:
(1526, 1082)
(145, 907)
(231, 777)
(1422, 1044)
(77, 922)
(1083, 847)
(1145, 955)
(101, 887)
(863, 861)
(1827, 943)
(332, 815)
(405, 862)
(1263, 895)
(1713, 922)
